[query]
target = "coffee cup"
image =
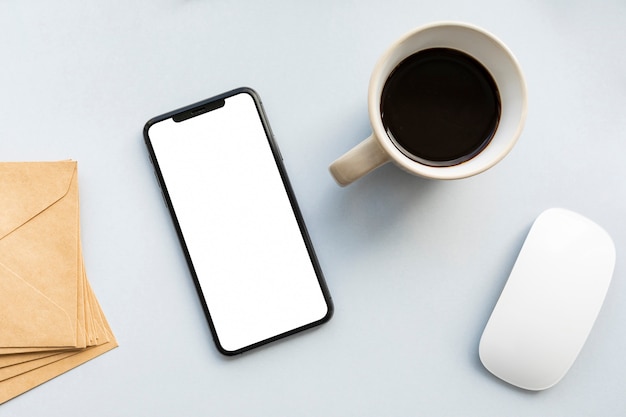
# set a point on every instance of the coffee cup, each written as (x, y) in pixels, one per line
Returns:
(446, 101)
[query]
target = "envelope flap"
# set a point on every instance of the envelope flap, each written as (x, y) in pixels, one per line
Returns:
(28, 188)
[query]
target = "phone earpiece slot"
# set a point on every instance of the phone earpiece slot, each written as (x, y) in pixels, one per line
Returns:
(196, 111)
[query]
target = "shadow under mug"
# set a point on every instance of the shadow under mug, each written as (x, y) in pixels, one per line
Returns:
(497, 59)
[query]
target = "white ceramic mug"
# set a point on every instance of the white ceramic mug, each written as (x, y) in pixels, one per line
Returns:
(379, 149)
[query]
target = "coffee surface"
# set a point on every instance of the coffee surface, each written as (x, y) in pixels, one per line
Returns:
(440, 107)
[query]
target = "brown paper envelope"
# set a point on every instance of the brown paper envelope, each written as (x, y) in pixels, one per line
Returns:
(39, 255)
(17, 358)
(101, 331)
(94, 322)
(21, 368)
(11, 356)
(25, 311)
(89, 320)
(81, 331)
(19, 384)
(37, 359)
(22, 382)
(98, 332)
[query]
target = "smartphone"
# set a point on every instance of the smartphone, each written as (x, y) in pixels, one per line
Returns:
(238, 221)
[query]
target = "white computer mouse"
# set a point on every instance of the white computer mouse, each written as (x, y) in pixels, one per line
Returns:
(550, 301)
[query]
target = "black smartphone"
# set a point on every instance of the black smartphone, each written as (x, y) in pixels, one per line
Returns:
(238, 221)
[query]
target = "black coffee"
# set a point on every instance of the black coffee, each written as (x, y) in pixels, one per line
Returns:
(440, 106)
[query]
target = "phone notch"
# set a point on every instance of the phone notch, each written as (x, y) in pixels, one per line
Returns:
(196, 111)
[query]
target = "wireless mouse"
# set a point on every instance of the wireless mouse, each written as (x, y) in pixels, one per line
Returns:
(550, 301)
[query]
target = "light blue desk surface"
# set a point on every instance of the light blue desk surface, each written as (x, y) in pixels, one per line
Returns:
(414, 266)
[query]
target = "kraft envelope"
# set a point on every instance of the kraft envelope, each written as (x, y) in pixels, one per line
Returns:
(9, 372)
(39, 255)
(15, 364)
(50, 319)
(9, 360)
(19, 384)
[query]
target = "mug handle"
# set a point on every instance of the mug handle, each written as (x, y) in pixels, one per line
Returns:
(358, 161)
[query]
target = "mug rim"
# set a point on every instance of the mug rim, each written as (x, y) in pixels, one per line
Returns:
(404, 161)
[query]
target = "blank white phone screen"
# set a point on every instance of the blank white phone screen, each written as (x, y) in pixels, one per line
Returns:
(239, 227)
